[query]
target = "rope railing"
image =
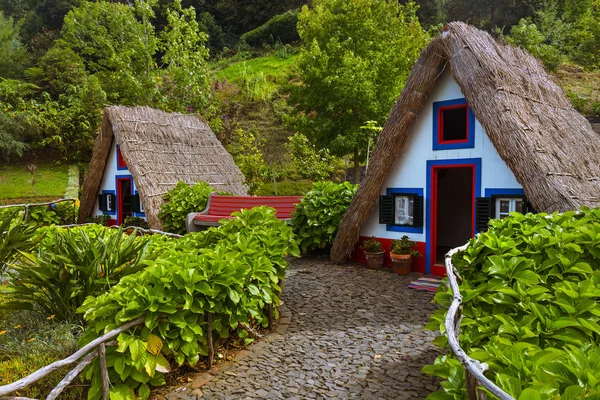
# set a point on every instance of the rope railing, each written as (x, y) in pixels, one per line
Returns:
(473, 369)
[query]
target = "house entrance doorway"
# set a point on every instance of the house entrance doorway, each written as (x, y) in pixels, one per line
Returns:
(124, 199)
(453, 203)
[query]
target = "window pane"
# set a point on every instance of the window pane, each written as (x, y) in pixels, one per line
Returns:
(519, 205)
(404, 210)
(504, 206)
(454, 125)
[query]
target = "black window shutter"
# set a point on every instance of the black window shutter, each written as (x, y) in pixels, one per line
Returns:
(418, 211)
(484, 211)
(102, 202)
(386, 209)
(136, 204)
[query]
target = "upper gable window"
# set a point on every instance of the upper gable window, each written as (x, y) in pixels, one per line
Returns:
(453, 125)
(121, 164)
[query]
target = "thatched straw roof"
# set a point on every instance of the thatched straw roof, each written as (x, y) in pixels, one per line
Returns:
(550, 147)
(160, 149)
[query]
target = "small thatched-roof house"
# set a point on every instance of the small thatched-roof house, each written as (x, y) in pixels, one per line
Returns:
(141, 153)
(479, 130)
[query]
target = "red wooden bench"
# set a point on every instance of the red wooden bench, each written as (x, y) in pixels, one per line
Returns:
(221, 207)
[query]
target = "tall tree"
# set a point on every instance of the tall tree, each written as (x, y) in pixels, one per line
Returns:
(185, 58)
(117, 43)
(489, 14)
(14, 55)
(354, 61)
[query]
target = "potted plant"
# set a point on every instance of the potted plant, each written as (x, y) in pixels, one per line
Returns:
(373, 253)
(402, 253)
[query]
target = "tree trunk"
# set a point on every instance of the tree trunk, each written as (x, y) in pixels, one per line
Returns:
(356, 166)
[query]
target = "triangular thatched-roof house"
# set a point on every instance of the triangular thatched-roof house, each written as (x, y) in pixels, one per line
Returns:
(535, 144)
(141, 153)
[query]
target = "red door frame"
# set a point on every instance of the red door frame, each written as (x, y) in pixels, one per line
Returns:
(120, 198)
(434, 199)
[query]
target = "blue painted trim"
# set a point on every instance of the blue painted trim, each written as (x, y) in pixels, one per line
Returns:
(470, 143)
(125, 168)
(504, 192)
(110, 192)
(428, 201)
(407, 191)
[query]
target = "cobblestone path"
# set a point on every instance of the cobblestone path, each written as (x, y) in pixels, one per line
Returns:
(354, 333)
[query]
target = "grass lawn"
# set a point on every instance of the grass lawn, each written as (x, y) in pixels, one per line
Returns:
(50, 181)
(259, 77)
(270, 66)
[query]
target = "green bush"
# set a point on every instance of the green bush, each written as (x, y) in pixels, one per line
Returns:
(63, 213)
(180, 201)
(135, 221)
(15, 236)
(69, 265)
(281, 28)
(527, 35)
(531, 309)
(320, 212)
(285, 188)
(233, 272)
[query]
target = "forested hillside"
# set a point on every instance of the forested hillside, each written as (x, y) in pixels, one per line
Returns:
(279, 85)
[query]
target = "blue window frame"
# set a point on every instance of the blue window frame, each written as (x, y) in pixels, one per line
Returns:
(415, 192)
(453, 125)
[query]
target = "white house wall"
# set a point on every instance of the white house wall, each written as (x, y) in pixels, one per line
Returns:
(109, 181)
(410, 170)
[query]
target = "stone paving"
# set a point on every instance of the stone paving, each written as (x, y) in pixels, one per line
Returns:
(353, 334)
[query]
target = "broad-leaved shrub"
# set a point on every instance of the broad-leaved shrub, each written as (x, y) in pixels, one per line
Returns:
(69, 265)
(316, 219)
(232, 272)
(531, 308)
(180, 201)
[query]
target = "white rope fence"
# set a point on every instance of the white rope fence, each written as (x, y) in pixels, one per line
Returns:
(473, 369)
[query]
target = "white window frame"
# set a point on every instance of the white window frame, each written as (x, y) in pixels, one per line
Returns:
(512, 207)
(404, 205)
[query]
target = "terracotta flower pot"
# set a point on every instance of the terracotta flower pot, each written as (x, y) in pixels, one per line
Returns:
(375, 260)
(401, 263)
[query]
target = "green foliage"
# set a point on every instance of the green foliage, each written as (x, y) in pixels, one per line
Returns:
(185, 81)
(14, 55)
(14, 236)
(285, 188)
(320, 212)
(69, 265)
(281, 28)
(530, 307)
(115, 45)
(246, 151)
(527, 35)
(180, 201)
(16, 128)
(135, 221)
(63, 213)
(233, 272)
(404, 246)
(372, 245)
(310, 162)
(355, 57)
(62, 69)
